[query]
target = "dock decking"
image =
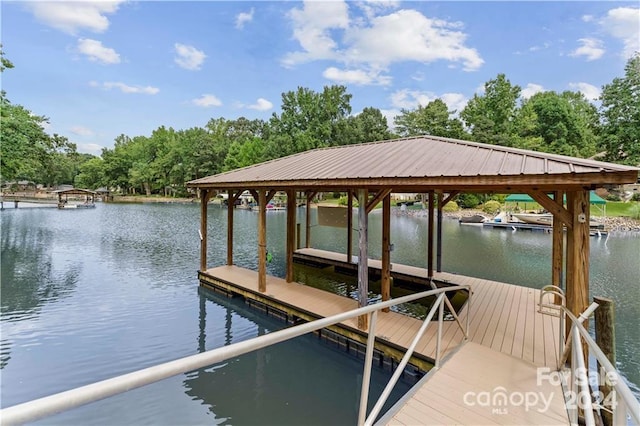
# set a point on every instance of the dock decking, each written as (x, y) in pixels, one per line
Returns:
(507, 334)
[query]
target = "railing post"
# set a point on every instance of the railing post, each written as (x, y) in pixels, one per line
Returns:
(439, 341)
(366, 374)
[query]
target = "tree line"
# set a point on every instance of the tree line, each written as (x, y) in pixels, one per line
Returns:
(562, 123)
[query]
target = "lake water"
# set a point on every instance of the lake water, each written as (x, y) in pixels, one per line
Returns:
(87, 295)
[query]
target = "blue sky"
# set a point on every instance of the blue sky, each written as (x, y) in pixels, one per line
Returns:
(100, 69)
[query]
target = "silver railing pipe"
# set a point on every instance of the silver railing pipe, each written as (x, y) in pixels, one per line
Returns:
(625, 403)
(47, 406)
(405, 359)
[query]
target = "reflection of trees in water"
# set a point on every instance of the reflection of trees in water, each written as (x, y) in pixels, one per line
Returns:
(28, 276)
(295, 382)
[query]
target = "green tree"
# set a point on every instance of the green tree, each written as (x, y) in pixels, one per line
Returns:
(308, 120)
(620, 112)
(434, 119)
(490, 116)
(91, 174)
(558, 123)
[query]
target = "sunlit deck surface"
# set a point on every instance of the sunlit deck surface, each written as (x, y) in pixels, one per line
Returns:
(509, 339)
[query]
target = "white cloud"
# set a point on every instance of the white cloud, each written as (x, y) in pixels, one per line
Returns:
(591, 49)
(407, 35)
(125, 88)
(411, 99)
(590, 91)
(357, 77)
(372, 8)
(624, 23)
(531, 90)
(95, 51)
(261, 105)
(81, 131)
(206, 101)
(390, 115)
(543, 46)
(455, 101)
(73, 16)
(311, 27)
(189, 57)
(244, 17)
(90, 148)
(378, 41)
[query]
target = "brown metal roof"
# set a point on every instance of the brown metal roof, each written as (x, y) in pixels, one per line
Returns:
(422, 162)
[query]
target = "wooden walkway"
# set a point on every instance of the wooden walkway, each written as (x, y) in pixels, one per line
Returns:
(479, 386)
(507, 334)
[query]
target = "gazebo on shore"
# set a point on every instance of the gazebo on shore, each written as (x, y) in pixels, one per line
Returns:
(439, 167)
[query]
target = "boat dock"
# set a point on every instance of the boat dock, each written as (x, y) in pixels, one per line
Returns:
(517, 226)
(508, 341)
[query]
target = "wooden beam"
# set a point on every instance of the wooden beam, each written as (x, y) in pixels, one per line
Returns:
(205, 195)
(230, 207)
(553, 206)
(450, 197)
(262, 241)
(439, 234)
(557, 248)
(270, 195)
(577, 291)
(307, 239)
(377, 198)
(291, 232)
(349, 226)
(430, 226)
(254, 194)
(385, 283)
(363, 257)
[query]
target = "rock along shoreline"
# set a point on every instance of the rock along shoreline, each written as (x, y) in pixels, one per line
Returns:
(611, 224)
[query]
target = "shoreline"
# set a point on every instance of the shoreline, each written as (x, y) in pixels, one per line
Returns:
(611, 224)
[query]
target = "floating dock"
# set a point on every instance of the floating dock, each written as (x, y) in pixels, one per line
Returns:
(515, 226)
(508, 341)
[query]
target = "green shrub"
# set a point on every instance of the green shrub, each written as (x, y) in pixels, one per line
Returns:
(451, 206)
(613, 197)
(636, 197)
(344, 201)
(634, 212)
(336, 195)
(491, 207)
(468, 201)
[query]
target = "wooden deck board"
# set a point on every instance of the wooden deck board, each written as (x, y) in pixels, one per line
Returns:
(503, 318)
(453, 391)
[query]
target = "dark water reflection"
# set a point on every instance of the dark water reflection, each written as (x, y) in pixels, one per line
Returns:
(87, 295)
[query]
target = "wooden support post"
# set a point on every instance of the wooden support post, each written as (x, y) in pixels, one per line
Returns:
(386, 250)
(349, 226)
(577, 291)
(430, 236)
(262, 241)
(439, 235)
(204, 199)
(291, 232)
(230, 207)
(557, 248)
(578, 252)
(606, 340)
(307, 239)
(298, 236)
(363, 257)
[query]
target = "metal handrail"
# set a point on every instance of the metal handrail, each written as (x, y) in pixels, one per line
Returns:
(555, 310)
(47, 406)
(626, 405)
(396, 374)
